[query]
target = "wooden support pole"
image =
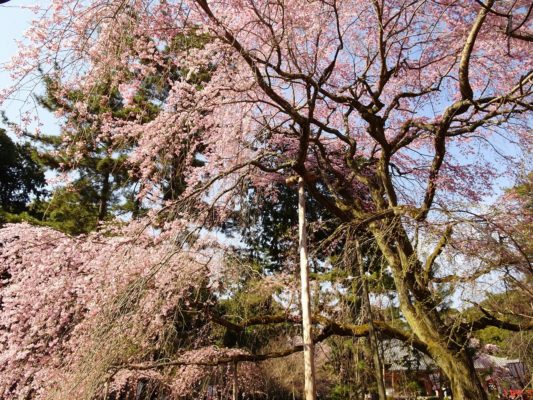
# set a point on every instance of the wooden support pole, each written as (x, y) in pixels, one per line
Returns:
(309, 361)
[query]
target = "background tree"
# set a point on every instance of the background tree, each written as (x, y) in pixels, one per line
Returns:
(103, 184)
(100, 186)
(21, 176)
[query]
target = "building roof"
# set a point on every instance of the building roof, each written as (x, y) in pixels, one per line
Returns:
(398, 356)
(485, 361)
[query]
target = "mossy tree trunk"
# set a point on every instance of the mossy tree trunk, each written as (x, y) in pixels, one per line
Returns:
(446, 345)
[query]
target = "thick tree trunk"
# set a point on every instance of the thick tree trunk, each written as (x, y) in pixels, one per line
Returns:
(449, 356)
(309, 362)
(420, 311)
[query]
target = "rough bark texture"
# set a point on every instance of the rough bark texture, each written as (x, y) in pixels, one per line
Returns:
(419, 309)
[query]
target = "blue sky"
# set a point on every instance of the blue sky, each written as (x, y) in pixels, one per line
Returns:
(15, 18)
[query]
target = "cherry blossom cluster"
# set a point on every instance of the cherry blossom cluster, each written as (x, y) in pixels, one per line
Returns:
(229, 120)
(65, 300)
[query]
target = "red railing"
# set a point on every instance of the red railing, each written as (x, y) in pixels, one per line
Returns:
(518, 393)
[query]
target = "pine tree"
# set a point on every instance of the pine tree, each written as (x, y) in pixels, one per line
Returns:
(21, 176)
